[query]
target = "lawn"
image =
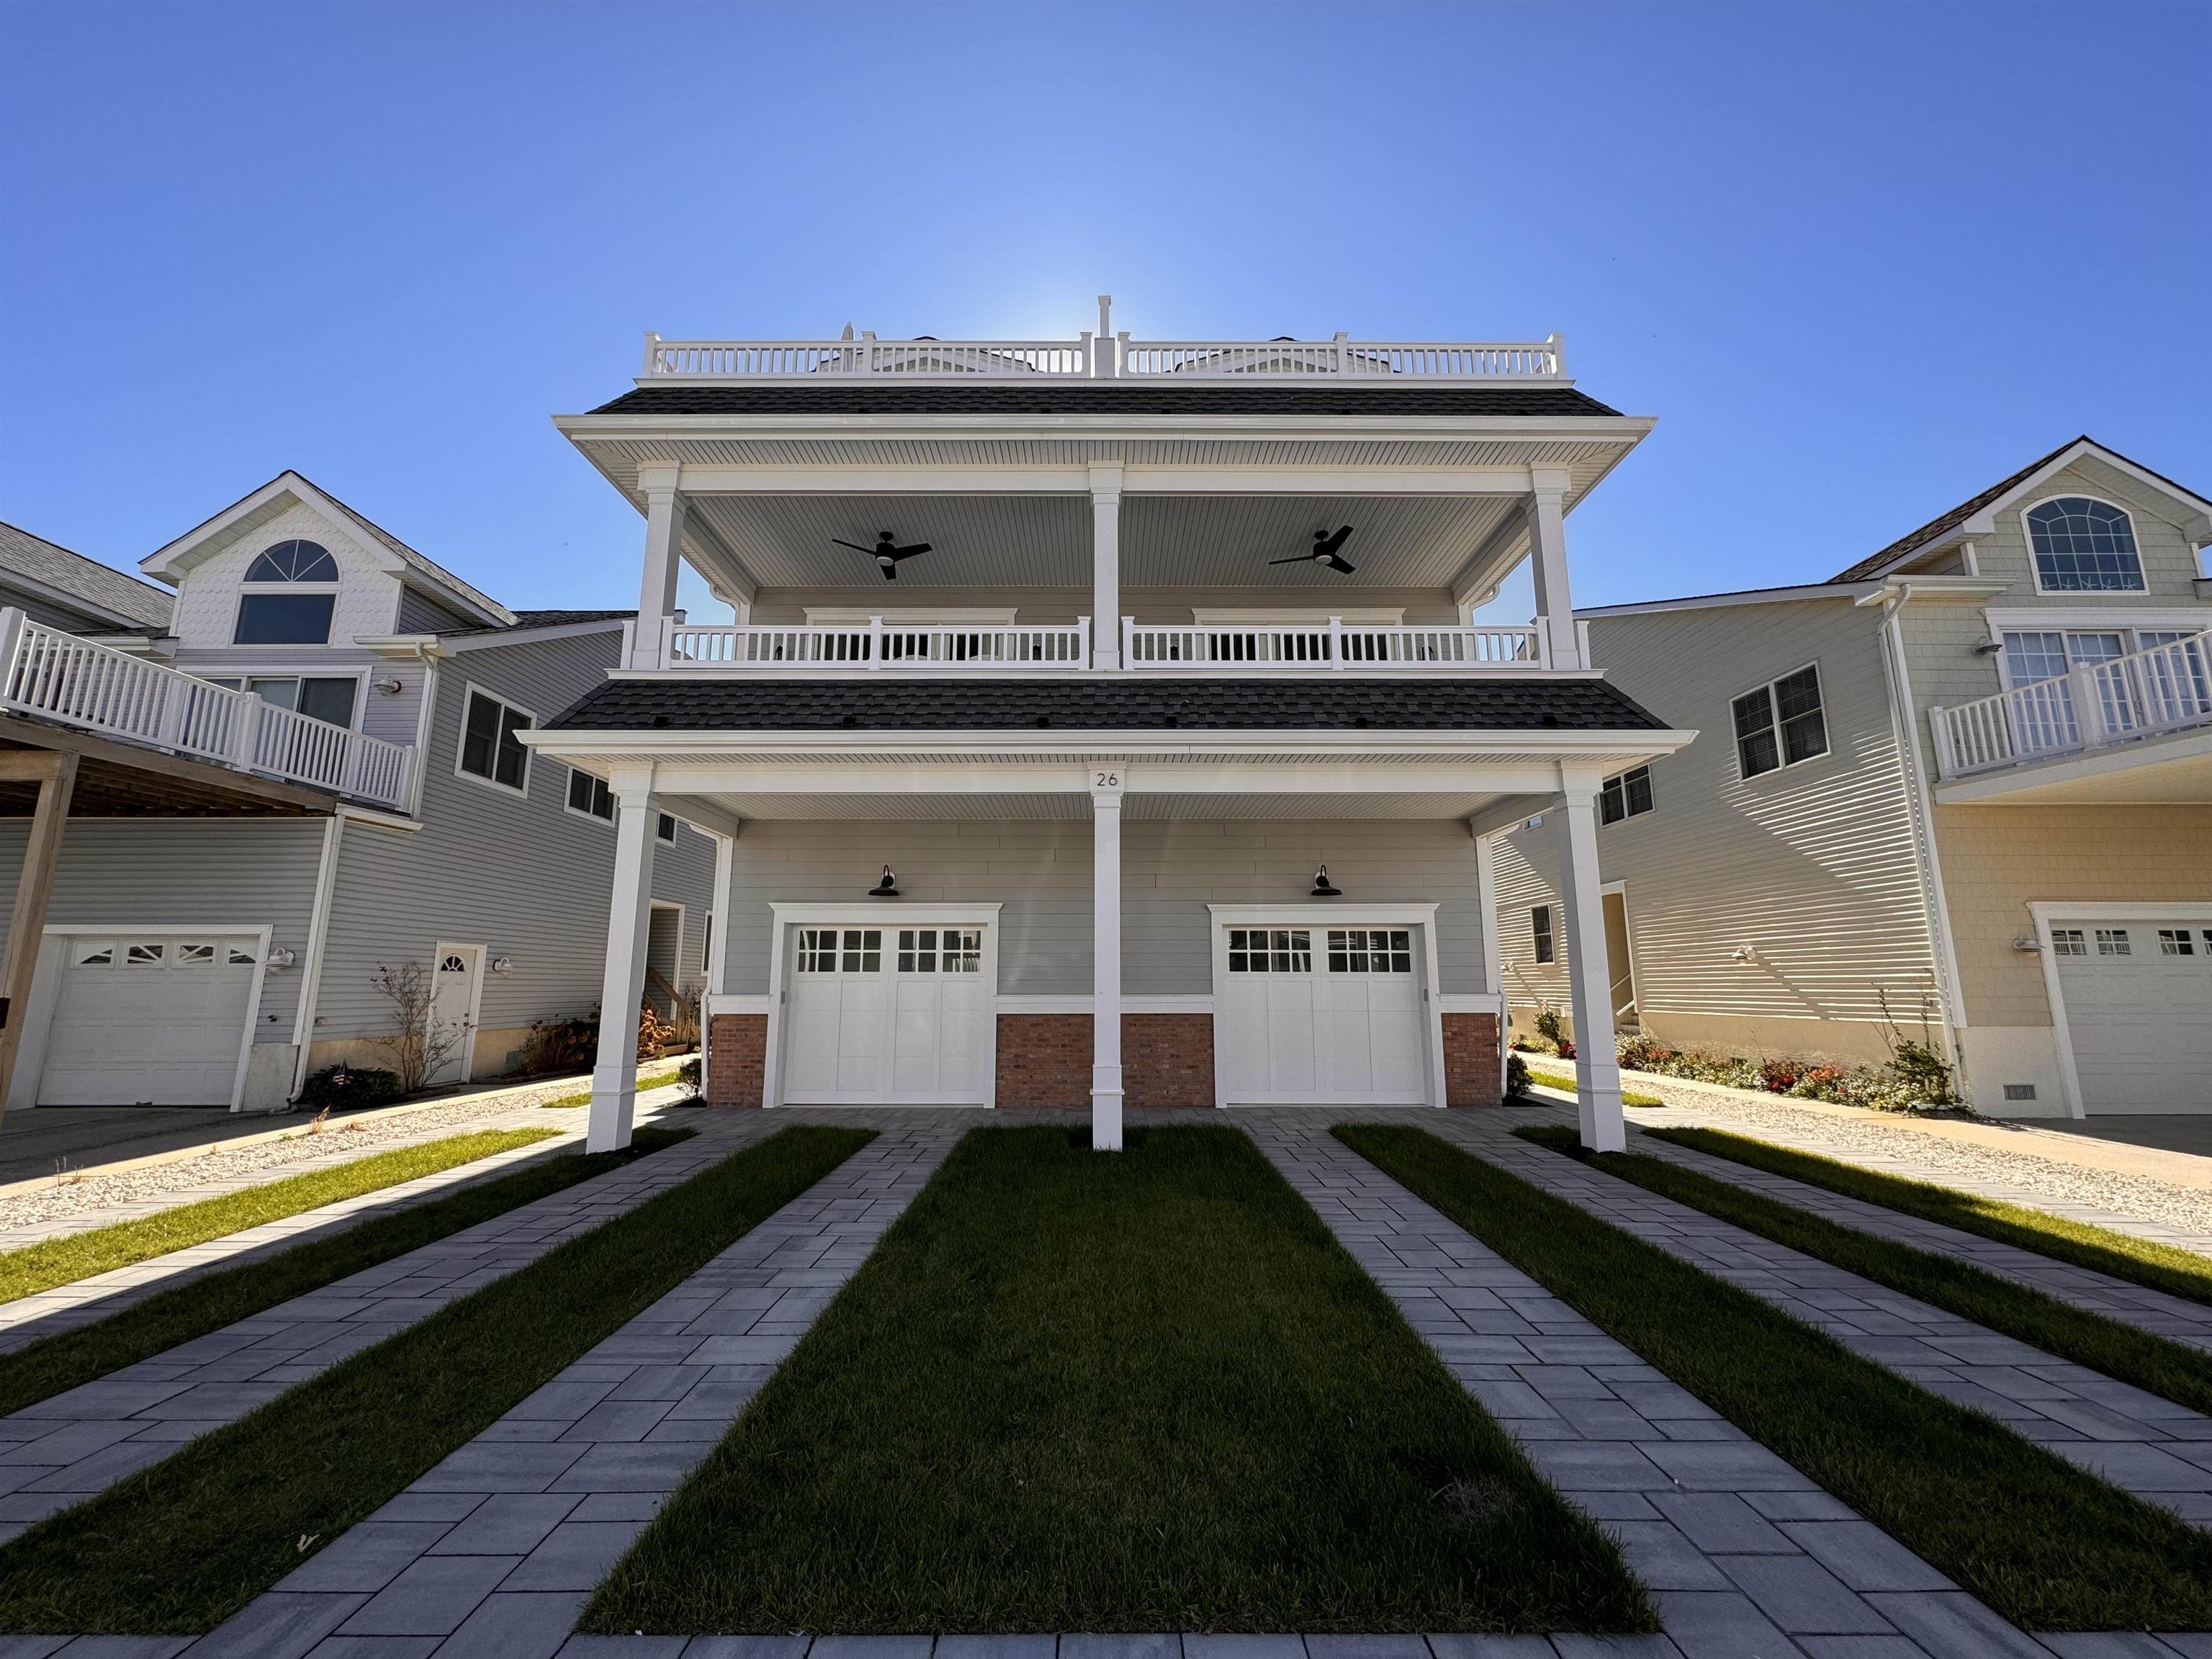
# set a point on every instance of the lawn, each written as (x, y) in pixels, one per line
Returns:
(1561, 1081)
(180, 1545)
(583, 1097)
(208, 1303)
(2046, 1544)
(65, 1261)
(2161, 1266)
(2177, 1372)
(1149, 1391)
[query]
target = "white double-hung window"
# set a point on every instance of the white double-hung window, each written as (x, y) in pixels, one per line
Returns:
(1780, 724)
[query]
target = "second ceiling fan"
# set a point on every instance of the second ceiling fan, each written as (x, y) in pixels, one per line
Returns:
(885, 555)
(1325, 552)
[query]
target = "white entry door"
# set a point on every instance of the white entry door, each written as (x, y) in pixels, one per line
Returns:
(888, 1015)
(454, 991)
(2139, 1000)
(151, 1019)
(1322, 1016)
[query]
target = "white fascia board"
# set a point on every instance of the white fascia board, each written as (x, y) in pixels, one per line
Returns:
(1726, 601)
(458, 642)
(1944, 590)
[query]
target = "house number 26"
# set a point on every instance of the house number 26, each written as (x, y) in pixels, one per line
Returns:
(1106, 781)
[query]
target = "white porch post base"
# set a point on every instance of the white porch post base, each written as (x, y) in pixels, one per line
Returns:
(1597, 1072)
(614, 1080)
(1106, 967)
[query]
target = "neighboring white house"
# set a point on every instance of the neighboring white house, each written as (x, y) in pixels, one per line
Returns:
(308, 768)
(1969, 777)
(1144, 673)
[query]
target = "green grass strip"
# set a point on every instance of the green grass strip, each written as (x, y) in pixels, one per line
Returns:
(180, 1545)
(2136, 1357)
(65, 1261)
(1560, 1080)
(209, 1303)
(2046, 1544)
(583, 1097)
(2160, 1266)
(1144, 1391)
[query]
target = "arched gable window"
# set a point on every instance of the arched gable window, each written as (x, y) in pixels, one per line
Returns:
(2083, 545)
(293, 562)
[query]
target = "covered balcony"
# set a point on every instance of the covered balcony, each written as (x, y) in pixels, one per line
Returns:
(2071, 735)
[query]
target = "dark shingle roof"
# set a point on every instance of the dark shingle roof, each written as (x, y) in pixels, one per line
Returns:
(1107, 703)
(1304, 397)
(1936, 527)
(100, 587)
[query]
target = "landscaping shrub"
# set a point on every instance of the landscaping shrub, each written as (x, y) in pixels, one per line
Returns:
(1916, 1076)
(347, 1088)
(1517, 1076)
(655, 1036)
(559, 1045)
(689, 1075)
(1550, 1036)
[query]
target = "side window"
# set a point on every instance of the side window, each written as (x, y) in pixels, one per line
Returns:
(490, 748)
(1539, 933)
(2083, 546)
(590, 796)
(1625, 795)
(666, 828)
(1780, 724)
(268, 614)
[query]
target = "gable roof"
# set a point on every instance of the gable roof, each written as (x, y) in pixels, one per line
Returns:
(1938, 530)
(419, 569)
(99, 589)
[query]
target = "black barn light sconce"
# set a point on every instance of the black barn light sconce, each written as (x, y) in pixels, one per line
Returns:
(887, 888)
(1323, 887)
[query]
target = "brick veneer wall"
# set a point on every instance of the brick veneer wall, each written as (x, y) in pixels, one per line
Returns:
(737, 1059)
(1044, 1060)
(1471, 1060)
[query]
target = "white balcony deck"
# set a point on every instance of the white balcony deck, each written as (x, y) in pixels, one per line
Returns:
(1105, 357)
(1235, 648)
(57, 676)
(2166, 689)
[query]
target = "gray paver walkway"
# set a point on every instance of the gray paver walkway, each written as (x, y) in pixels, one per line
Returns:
(2146, 1309)
(496, 1550)
(2158, 1451)
(67, 1448)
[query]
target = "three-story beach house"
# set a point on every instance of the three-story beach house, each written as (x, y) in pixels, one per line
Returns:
(1103, 722)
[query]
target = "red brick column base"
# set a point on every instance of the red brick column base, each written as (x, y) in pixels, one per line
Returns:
(1471, 1060)
(1044, 1060)
(737, 1059)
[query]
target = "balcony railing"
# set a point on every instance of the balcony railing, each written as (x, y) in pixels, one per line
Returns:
(1092, 357)
(2167, 688)
(1232, 647)
(73, 682)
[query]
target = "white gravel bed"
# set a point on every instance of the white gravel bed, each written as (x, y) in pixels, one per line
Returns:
(337, 1143)
(2024, 1175)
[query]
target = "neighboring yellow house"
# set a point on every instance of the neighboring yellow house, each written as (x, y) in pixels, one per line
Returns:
(1967, 780)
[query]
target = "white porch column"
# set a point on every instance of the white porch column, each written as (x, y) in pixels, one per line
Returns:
(1106, 567)
(717, 945)
(1547, 556)
(614, 1080)
(664, 555)
(1106, 964)
(1485, 882)
(1597, 1072)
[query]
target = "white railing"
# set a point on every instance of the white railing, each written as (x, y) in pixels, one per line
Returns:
(2164, 689)
(1118, 357)
(73, 682)
(879, 643)
(1332, 645)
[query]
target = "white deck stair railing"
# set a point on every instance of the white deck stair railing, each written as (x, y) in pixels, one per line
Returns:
(56, 676)
(2167, 688)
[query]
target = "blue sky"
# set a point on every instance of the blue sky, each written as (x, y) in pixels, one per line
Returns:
(1860, 260)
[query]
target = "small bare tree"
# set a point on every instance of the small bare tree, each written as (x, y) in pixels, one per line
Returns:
(420, 1045)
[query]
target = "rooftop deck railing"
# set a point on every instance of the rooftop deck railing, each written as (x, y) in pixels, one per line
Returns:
(1092, 357)
(56, 676)
(2167, 688)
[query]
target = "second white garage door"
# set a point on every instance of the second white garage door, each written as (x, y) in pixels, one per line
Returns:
(148, 1020)
(2139, 1000)
(1322, 1016)
(888, 1015)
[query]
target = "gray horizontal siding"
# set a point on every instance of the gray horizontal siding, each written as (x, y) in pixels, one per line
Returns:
(1041, 873)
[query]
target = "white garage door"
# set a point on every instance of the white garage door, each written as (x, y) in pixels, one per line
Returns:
(2138, 1012)
(1322, 1016)
(153, 1019)
(888, 1015)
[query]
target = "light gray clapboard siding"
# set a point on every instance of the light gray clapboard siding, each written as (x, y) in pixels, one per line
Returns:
(187, 872)
(392, 716)
(1041, 873)
(523, 878)
(1813, 866)
(421, 614)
